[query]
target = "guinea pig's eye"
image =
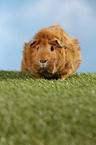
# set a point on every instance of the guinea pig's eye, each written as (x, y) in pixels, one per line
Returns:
(52, 48)
(37, 48)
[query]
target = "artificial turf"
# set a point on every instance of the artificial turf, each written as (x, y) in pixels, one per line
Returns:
(47, 112)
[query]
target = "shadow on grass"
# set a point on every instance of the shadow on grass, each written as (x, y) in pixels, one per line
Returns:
(4, 75)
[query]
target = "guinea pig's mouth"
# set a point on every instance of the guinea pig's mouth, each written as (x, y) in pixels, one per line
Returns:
(43, 68)
(46, 69)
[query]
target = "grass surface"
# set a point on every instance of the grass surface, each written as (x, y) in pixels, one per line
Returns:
(47, 112)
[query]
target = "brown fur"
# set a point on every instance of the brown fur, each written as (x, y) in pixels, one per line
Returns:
(61, 62)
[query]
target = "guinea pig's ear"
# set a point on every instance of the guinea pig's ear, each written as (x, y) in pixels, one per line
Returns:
(58, 42)
(32, 43)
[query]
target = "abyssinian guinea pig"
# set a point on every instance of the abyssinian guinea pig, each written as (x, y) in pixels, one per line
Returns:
(51, 54)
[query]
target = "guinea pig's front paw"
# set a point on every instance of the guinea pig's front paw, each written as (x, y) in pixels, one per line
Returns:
(63, 77)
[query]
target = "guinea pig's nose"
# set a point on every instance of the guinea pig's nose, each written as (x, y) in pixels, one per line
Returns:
(43, 61)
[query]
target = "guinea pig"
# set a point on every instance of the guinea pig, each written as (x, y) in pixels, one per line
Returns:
(51, 54)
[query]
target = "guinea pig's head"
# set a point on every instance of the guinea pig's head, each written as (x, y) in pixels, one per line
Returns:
(47, 55)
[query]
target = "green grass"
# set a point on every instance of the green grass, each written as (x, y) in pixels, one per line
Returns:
(47, 112)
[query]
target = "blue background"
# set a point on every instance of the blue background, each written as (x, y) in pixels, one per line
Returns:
(20, 20)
